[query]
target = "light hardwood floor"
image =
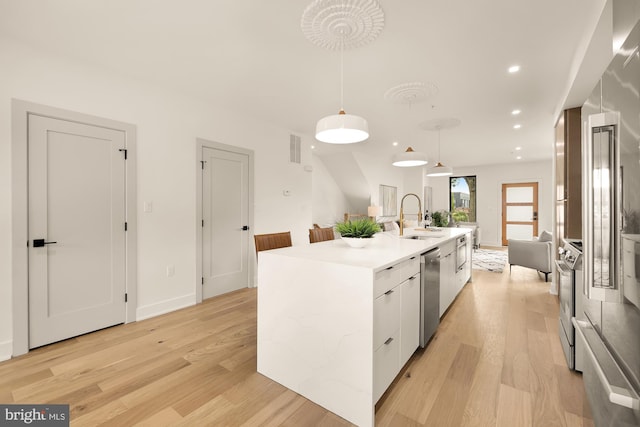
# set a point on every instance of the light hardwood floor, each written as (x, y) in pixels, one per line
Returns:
(495, 361)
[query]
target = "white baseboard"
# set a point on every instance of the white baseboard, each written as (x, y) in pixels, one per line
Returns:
(166, 306)
(6, 350)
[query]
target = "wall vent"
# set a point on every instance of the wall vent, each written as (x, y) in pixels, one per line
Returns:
(294, 149)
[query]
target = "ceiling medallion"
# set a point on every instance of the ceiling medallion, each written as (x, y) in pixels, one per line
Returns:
(437, 124)
(410, 93)
(333, 24)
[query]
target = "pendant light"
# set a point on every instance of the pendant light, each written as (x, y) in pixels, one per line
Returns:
(439, 169)
(342, 24)
(342, 128)
(409, 158)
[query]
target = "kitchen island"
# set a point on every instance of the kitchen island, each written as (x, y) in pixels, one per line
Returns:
(336, 324)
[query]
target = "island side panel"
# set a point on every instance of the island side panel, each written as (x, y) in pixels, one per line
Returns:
(315, 332)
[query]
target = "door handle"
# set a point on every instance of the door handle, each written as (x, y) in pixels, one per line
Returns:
(38, 243)
(535, 216)
(245, 227)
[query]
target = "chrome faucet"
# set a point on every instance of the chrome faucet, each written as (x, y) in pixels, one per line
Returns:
(402, 210)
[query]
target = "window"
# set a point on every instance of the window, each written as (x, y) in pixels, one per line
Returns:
(462, 193)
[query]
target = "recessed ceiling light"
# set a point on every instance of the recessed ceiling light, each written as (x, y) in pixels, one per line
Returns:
(518, 157)
(514, 69)
(517, 126)
(313, 146)
(518, 148)
(395, 143)
(515, 112)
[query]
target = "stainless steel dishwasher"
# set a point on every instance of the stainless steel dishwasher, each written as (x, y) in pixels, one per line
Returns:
(429, 295)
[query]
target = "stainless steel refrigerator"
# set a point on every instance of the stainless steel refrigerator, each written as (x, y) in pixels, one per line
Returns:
(611, 231)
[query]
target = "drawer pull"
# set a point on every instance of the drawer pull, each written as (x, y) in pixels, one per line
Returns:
(412, 257)
(389, 268)
(413, 278)
(389, 292)
(388, 341)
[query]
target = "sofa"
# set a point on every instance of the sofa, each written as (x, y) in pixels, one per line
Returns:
(476, 231)
(536, 253)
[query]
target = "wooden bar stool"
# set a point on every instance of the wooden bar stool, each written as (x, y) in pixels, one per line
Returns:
(320, 234)
(264, 242)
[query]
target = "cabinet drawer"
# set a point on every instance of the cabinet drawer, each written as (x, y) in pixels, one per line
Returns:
(386, 365)
(386, 316)
(410, 318)
(447, 247)
(394, 275)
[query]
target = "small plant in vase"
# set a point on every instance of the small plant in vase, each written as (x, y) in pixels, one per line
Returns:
(440, 218)
(357, 232)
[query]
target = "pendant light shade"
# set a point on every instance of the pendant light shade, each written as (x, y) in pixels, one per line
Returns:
(439, 169)
(409, 158)
(342, 128)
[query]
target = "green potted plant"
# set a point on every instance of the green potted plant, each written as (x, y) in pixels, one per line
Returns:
(440, 218)
(357, 233)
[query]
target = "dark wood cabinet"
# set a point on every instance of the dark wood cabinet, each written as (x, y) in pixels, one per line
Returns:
(569, 175)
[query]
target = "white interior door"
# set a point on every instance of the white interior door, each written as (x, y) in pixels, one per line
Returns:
(76, 229)
(225, 235)
(519, 211)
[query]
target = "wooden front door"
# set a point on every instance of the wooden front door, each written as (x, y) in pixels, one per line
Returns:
(519, 211)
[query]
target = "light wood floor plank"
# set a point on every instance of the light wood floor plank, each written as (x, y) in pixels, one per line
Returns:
(274, 409)
(165, 418)
(495, 360)
(481, 407)
(514, 408)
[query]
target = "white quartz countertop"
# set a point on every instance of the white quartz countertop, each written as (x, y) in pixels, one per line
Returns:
(385, 249)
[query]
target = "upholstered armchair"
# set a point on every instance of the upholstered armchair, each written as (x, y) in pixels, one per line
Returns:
(536, 253)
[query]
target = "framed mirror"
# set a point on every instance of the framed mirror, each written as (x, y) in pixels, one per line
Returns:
(389, 200)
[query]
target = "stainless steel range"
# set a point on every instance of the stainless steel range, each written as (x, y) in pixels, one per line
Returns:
(570, 268)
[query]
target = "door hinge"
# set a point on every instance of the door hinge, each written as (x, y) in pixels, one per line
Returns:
(126, 297)
(202, 162)
(125, 152)
(126, 226)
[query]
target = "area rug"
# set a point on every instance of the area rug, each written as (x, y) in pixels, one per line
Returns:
(488, 260)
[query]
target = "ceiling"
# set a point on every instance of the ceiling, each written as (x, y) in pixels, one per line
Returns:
(252, 56)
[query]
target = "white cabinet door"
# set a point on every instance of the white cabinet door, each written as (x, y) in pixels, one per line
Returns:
(410, 318)
(386, 364)
(448, 289)
(386, 318)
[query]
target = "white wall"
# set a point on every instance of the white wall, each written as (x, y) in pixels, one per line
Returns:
(378, 170)
(168, 124)
(489, 193)
(329, 202)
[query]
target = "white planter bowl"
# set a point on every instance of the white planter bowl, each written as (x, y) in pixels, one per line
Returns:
(357, 242)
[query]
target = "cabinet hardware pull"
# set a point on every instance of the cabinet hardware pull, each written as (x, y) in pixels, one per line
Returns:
(389, 292)
(389, 268)
(412, 278)
(412, 257)
(388, 341)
